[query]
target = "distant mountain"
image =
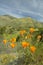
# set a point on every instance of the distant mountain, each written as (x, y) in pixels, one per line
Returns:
(26, 22)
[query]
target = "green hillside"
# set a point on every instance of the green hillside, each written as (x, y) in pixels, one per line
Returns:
(9, 22)
(21, 41)
(28, 22)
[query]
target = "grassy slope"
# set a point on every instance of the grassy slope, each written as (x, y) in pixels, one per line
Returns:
(22, 23)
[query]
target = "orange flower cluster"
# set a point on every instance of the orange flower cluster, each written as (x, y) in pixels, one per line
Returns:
(13, 40)
(22, 32)
(32, 49)
(25, 44)
(4, 41)
(12, 45)
(32, 30)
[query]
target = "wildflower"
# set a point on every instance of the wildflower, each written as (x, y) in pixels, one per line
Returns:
(12, 45)
(39, 37)
(32, 49)
(25, 44)
(32, 30)
(22, 32)
(4, 41)
(13, 40)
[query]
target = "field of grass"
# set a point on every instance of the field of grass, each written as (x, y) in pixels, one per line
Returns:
(21, 41)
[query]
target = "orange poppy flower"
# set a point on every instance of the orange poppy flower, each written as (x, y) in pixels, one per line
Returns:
(32, 30)
(12, 45)
(39, 36)
(25, 44)
(13, 40)
(4, 41)
(22, 32)
(33, 49)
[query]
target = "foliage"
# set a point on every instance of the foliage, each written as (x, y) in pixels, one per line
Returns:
(21, 41)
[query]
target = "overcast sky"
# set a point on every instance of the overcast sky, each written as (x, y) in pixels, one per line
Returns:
(22, 8)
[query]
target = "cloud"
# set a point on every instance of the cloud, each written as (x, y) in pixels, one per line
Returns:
(6, 11)
(20, 11)
(20, 8)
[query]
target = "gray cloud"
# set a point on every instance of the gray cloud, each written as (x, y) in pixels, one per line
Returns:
(18, 7)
